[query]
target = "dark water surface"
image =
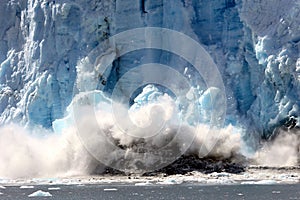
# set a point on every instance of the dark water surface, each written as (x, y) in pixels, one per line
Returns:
(182, 191)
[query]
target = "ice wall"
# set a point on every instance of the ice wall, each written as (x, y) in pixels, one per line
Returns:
(255, 44)
(276, 35)
(41, 43)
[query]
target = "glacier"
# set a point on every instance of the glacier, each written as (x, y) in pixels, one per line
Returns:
(46, 47)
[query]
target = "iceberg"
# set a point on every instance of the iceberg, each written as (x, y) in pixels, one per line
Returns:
(40, 193)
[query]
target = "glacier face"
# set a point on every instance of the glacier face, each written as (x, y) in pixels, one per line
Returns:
(45, 46)
(41, 42)
(277, 50)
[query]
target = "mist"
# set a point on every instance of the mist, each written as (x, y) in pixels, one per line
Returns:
(81, 145)
(40, 153)
(97, 136)
(280, 152)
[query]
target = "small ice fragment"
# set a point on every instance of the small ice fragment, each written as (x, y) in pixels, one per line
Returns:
(54, 188)
(202, 180)
(221, 181)
(240, 194)
(110, 189)
(170, 182)
(276, 192)
(262, 182)
(26, 187)
(221, 174)
(248, 183)
(40, 193)
(2, 187)
(143, 184)
(266, 182)
(185, 71)
(1, 193)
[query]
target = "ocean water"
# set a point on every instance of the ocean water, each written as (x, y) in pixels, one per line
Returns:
(182, 191)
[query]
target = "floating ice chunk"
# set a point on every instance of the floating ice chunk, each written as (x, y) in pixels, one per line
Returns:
(170, 181)
(185, 71)
(221, 181)
(262, 182)
(143, 184)
(110, 189)
(248, 182)
(221, 174)
(54, 188)
(2, 187)
(26, 187)
(40, 193)
(267, 182)
(201, 180)
(80, 185)
(3, 181)
(41, 181)
(289, 177)
(276, 192)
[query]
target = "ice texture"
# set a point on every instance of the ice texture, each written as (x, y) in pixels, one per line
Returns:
(45, 47)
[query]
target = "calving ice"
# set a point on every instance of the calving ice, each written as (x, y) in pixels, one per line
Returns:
(136, 85)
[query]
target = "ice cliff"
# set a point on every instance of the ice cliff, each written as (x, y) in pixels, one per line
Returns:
(255, 44)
